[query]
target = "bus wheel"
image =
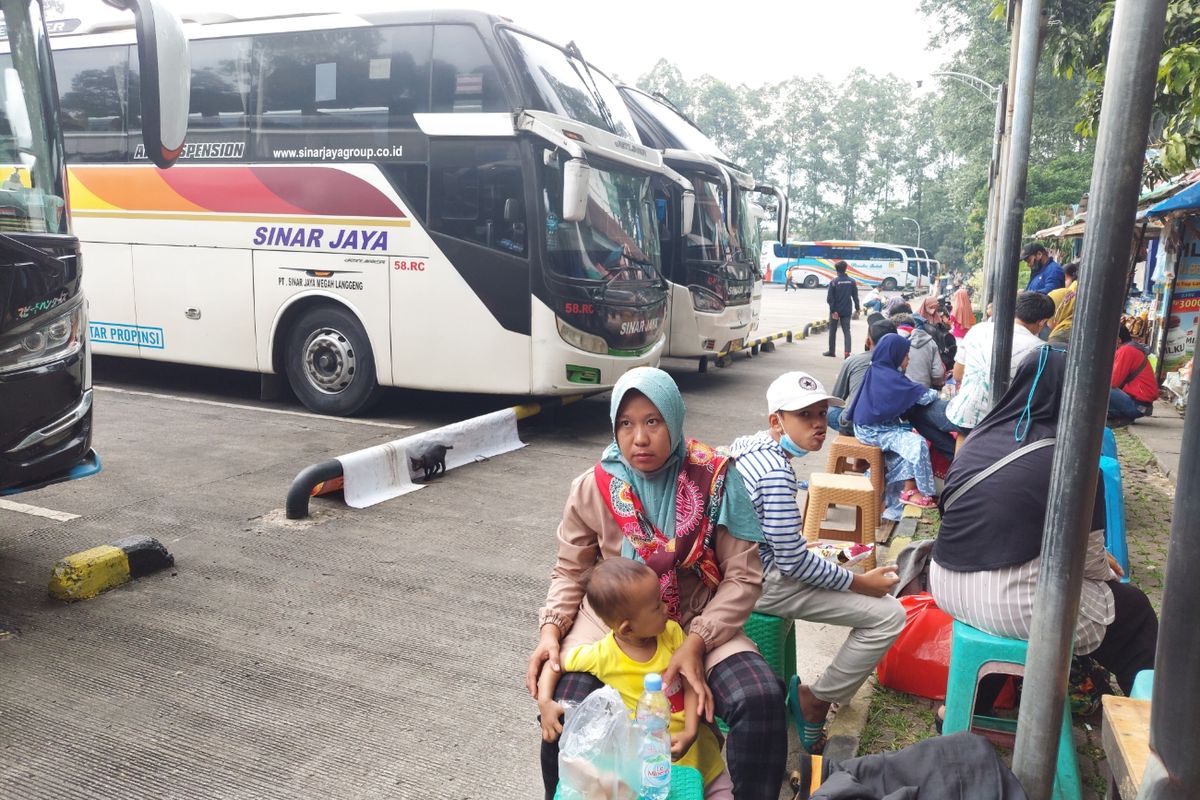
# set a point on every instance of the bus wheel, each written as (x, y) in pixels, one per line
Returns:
(889, 285)
(810, 281)
(329, 362)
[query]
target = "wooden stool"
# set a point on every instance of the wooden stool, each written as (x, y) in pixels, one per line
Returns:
(846, 450)
(825, 490)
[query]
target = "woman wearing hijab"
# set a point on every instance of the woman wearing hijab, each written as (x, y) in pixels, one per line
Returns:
(987, 555)
(962, 316)
(887, 394)
(681, 508)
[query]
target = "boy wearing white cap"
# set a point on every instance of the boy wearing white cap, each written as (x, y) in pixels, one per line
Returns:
(797, 583)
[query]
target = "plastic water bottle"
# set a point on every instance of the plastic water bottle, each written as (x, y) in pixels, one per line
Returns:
(654, 720)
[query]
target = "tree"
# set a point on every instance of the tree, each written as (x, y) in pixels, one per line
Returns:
(1077, 45)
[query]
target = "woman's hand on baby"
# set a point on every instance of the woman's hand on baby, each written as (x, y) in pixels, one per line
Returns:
(547, 651)
(551, 711)
(875, 583)
(688, 661)
(1114, 565)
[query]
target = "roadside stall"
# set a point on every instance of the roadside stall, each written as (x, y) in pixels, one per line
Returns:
(1178, 309)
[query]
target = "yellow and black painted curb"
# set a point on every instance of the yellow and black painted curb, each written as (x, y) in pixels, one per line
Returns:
(87, 574)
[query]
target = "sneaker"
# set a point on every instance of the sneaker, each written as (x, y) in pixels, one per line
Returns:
(845, 355)
(1118, 422)
(828, 355)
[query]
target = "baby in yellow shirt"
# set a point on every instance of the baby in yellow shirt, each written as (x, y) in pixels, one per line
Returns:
(641, 639)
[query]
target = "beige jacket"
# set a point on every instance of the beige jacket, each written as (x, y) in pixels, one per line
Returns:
(588, 533)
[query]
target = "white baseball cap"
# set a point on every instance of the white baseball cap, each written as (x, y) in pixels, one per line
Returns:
(795, 390)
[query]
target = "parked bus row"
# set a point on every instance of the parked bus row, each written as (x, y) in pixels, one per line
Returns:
(433, 200)
(888, 266)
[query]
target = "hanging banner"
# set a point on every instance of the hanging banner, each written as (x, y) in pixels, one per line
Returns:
(1184, 314)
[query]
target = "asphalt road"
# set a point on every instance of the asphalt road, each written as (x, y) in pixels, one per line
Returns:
(359, 654)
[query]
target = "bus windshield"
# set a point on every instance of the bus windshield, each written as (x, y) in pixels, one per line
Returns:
(31, 168)
(556, 82)
(687, 135)
(709, 239)
(618, 239)
(748, 234)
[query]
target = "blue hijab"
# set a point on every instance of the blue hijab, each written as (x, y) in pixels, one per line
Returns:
(886, 392)
(656, 489)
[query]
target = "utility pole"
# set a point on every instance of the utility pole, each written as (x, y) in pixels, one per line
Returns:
(1012, 212)
(1133, 56)
(989, 273)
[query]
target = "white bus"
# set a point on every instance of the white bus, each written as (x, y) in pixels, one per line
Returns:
(870, 263)
(712, 261)
(435, 200)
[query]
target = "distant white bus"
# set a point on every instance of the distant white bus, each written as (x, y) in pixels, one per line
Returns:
(434, 200)
(811, 264)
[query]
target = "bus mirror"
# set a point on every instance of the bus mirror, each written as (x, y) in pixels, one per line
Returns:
(577, 176)
(688, 209)
(165, 78)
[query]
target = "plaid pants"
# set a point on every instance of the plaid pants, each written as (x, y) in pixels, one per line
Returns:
(747, 695)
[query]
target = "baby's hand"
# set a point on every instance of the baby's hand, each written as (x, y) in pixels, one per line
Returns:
(551, 712)
(681, 743)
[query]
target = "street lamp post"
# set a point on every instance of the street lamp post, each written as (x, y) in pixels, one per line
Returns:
(914, 222)
(997, 95)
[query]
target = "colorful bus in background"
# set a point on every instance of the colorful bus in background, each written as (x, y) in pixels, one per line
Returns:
(870, 263)
(425, 199)
(45, 356)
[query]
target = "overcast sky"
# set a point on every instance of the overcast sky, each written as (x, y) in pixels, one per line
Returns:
(746, 41)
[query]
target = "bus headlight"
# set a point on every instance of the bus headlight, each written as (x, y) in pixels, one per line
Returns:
(704, 300)
(56, 338)
(581, 339)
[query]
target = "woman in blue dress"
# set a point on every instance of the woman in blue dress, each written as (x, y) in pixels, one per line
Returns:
(885, 396)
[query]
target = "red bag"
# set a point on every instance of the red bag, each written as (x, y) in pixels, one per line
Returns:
(919, 660)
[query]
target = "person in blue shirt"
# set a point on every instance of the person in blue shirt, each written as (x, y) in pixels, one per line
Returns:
(1046, 274)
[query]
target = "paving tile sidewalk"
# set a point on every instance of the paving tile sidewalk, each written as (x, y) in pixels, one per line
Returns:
(1149, 455)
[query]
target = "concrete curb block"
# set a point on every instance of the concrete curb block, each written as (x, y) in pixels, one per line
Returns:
(83, 575)
(329, 475)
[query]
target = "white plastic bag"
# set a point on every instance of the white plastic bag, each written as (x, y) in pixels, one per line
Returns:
(597, 751)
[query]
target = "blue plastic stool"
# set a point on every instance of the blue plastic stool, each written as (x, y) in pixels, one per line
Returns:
(1108, 445)
(1114, 513)
(686, 784)
(1143, 685)
(973, 654)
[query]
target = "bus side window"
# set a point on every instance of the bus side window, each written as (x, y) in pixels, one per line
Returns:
(464, 77)
(476, 193)
(92, 88)
(220, 87)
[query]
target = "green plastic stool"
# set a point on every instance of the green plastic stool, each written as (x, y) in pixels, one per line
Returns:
(973, 654)
(686, 784)
(775, 638)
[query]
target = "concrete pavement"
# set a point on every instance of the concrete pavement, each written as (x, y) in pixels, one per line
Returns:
(359, 654)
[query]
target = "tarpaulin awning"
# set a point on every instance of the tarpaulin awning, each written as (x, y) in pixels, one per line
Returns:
(1188, 199)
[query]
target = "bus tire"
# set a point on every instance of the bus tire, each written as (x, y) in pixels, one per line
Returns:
(810, 281)
(889, 285)
(329, 363)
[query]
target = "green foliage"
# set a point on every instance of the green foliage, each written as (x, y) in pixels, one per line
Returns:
(1078, 45)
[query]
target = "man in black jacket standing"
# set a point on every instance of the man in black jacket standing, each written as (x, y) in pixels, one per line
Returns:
(842, 297)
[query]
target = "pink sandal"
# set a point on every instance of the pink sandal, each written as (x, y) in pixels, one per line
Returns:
(906, 497)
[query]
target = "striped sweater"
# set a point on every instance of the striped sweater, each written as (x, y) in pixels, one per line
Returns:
(767, 472)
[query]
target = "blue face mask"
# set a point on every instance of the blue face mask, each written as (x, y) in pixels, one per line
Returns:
(790, 447)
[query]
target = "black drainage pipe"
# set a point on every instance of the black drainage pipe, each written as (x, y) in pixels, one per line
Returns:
(306, 483)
